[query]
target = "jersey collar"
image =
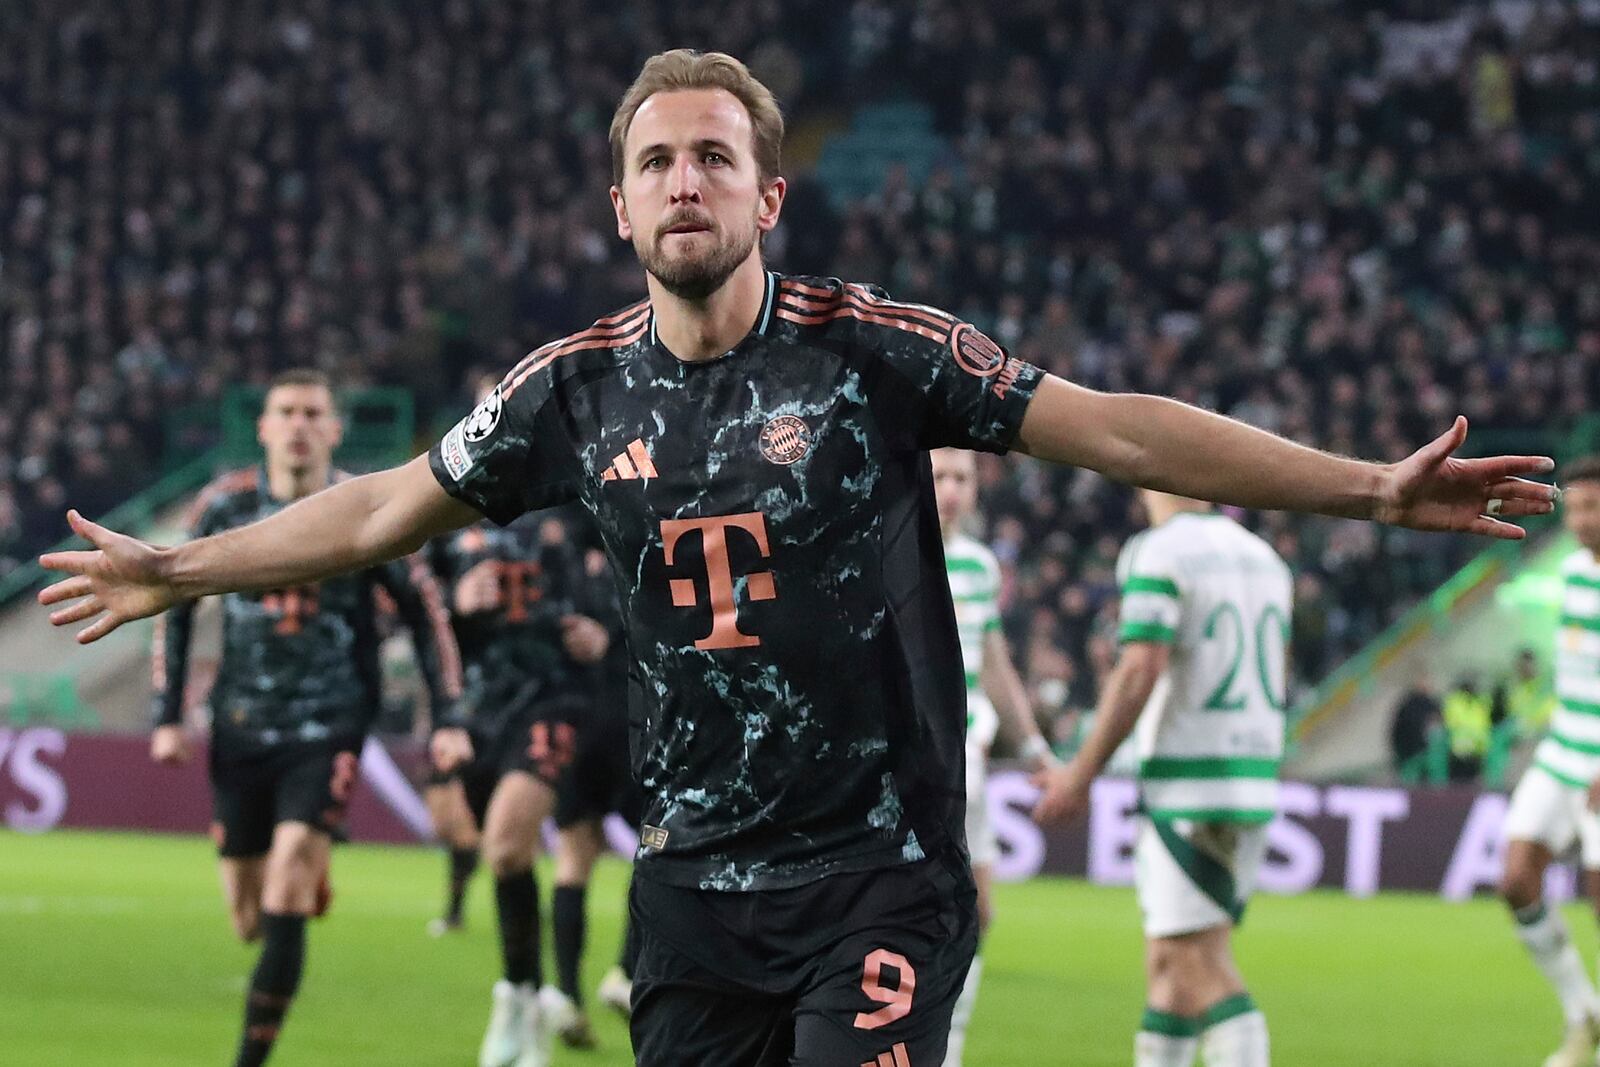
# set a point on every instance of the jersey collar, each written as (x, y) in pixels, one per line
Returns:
(768, 299)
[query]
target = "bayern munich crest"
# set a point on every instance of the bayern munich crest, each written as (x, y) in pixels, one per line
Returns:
(784, 439)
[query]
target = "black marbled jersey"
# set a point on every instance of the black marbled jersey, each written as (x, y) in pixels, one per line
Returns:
(301, 664)
(769, 514)
(513, 654)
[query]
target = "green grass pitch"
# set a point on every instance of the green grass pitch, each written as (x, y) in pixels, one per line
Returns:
(114, 950)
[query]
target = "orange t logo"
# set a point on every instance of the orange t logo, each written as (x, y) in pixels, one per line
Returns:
(725, 632)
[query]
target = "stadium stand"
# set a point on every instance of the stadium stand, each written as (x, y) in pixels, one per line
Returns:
(1344, 222)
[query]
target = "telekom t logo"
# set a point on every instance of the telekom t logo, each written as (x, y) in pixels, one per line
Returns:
(725, 632)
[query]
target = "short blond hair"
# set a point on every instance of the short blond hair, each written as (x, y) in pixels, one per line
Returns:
(685, 68)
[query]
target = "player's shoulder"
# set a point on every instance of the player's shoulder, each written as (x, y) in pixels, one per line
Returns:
(819, 303)
(1580, 563)
(610, 335)
(229, 489)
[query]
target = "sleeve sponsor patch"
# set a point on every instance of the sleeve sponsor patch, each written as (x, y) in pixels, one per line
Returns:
(453, 452)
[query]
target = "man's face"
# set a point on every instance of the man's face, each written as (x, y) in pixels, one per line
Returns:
(1580, 505)
(299, 427)
(691, 199)
(955, 485)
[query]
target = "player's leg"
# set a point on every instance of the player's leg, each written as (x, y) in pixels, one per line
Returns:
(242, 817)
(578, 846)
(885, 993)
(293, 874)
(516, 811)
(241, 888)
(984, 850)
(1193, 880)
(1540, 823)
(454, 826)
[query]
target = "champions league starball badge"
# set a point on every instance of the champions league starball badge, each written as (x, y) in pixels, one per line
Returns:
(484, 418)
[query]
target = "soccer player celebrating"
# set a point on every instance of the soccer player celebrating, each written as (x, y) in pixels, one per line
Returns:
(1205, 631)
(992, 682)
(598, 782)
(295, 692)
(754, 449)
(1553, 806)
(511, 595)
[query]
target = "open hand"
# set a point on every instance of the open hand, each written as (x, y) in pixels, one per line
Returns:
(1433, 490)
(117, 581)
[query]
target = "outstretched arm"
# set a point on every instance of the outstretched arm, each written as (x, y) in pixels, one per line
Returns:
(1066, 787)
(346, 527)
(1167, 445)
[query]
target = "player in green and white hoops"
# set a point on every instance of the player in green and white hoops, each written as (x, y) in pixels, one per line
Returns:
(1205, 631)
(1553, 806)
(992, 682)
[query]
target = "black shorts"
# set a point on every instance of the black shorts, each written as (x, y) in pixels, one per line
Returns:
(251, 793)
(541, 741)
(853, 969)
(600, 780)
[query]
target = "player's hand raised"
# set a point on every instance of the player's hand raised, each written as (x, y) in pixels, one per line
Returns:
(170, 745)
(451, 748)
(117, 581)
(1434, 490)
(584, 639)
(1065, 793)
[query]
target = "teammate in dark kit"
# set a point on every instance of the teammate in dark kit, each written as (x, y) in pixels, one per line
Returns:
(598, 783)
(513, 595)
(296, 690)
(754, 450)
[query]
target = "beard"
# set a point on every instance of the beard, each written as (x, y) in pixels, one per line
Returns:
(695, 275)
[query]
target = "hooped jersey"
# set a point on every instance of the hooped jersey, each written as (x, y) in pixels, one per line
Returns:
(975, 587)
(1570, 752)
(798, 707)
(1210, 738)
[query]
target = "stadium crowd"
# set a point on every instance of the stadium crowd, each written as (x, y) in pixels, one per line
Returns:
(1312, 216)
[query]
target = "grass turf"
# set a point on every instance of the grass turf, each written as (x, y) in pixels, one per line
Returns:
(116, 951)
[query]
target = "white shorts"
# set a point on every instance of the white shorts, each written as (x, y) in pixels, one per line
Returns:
(1554, 814)
(981, 843)
(1193, 876)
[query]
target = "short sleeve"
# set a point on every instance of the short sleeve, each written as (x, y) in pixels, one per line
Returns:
(508, 456)
(966, 391)
(1152, 604)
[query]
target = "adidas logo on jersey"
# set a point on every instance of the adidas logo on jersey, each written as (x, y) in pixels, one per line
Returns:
(633, 463)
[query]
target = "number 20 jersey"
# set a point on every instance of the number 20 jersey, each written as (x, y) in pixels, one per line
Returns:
(798, 706)
(1210, 739)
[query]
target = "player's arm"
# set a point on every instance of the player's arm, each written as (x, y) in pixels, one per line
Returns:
(346, 527)
(420, 601)
(1066, 788)
(1154, 442)
(170, 675)
(1003, 686)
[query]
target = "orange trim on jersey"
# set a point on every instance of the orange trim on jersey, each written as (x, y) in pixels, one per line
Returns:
(514, 381)
(601, 326)
(856, 300)
(231, 482)
(856, 313)
(158, 655)
(941, 319)
(443, 636)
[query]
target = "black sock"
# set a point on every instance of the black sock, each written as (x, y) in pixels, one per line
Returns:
(567, 918)
(463, 861)
(517, 898)
(272, 986)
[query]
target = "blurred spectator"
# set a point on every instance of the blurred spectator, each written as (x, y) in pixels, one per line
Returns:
(1417, 714)
(1324, 220)
(1526, 698)
(1468, 718)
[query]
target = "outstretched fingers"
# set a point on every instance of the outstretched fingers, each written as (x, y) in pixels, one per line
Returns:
(66, 589)
(1501, 468)
(104, 625)
(1486, 526)
(77, 562)
(86, 608)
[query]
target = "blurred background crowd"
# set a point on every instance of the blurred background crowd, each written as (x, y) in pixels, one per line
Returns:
(1344, 222)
